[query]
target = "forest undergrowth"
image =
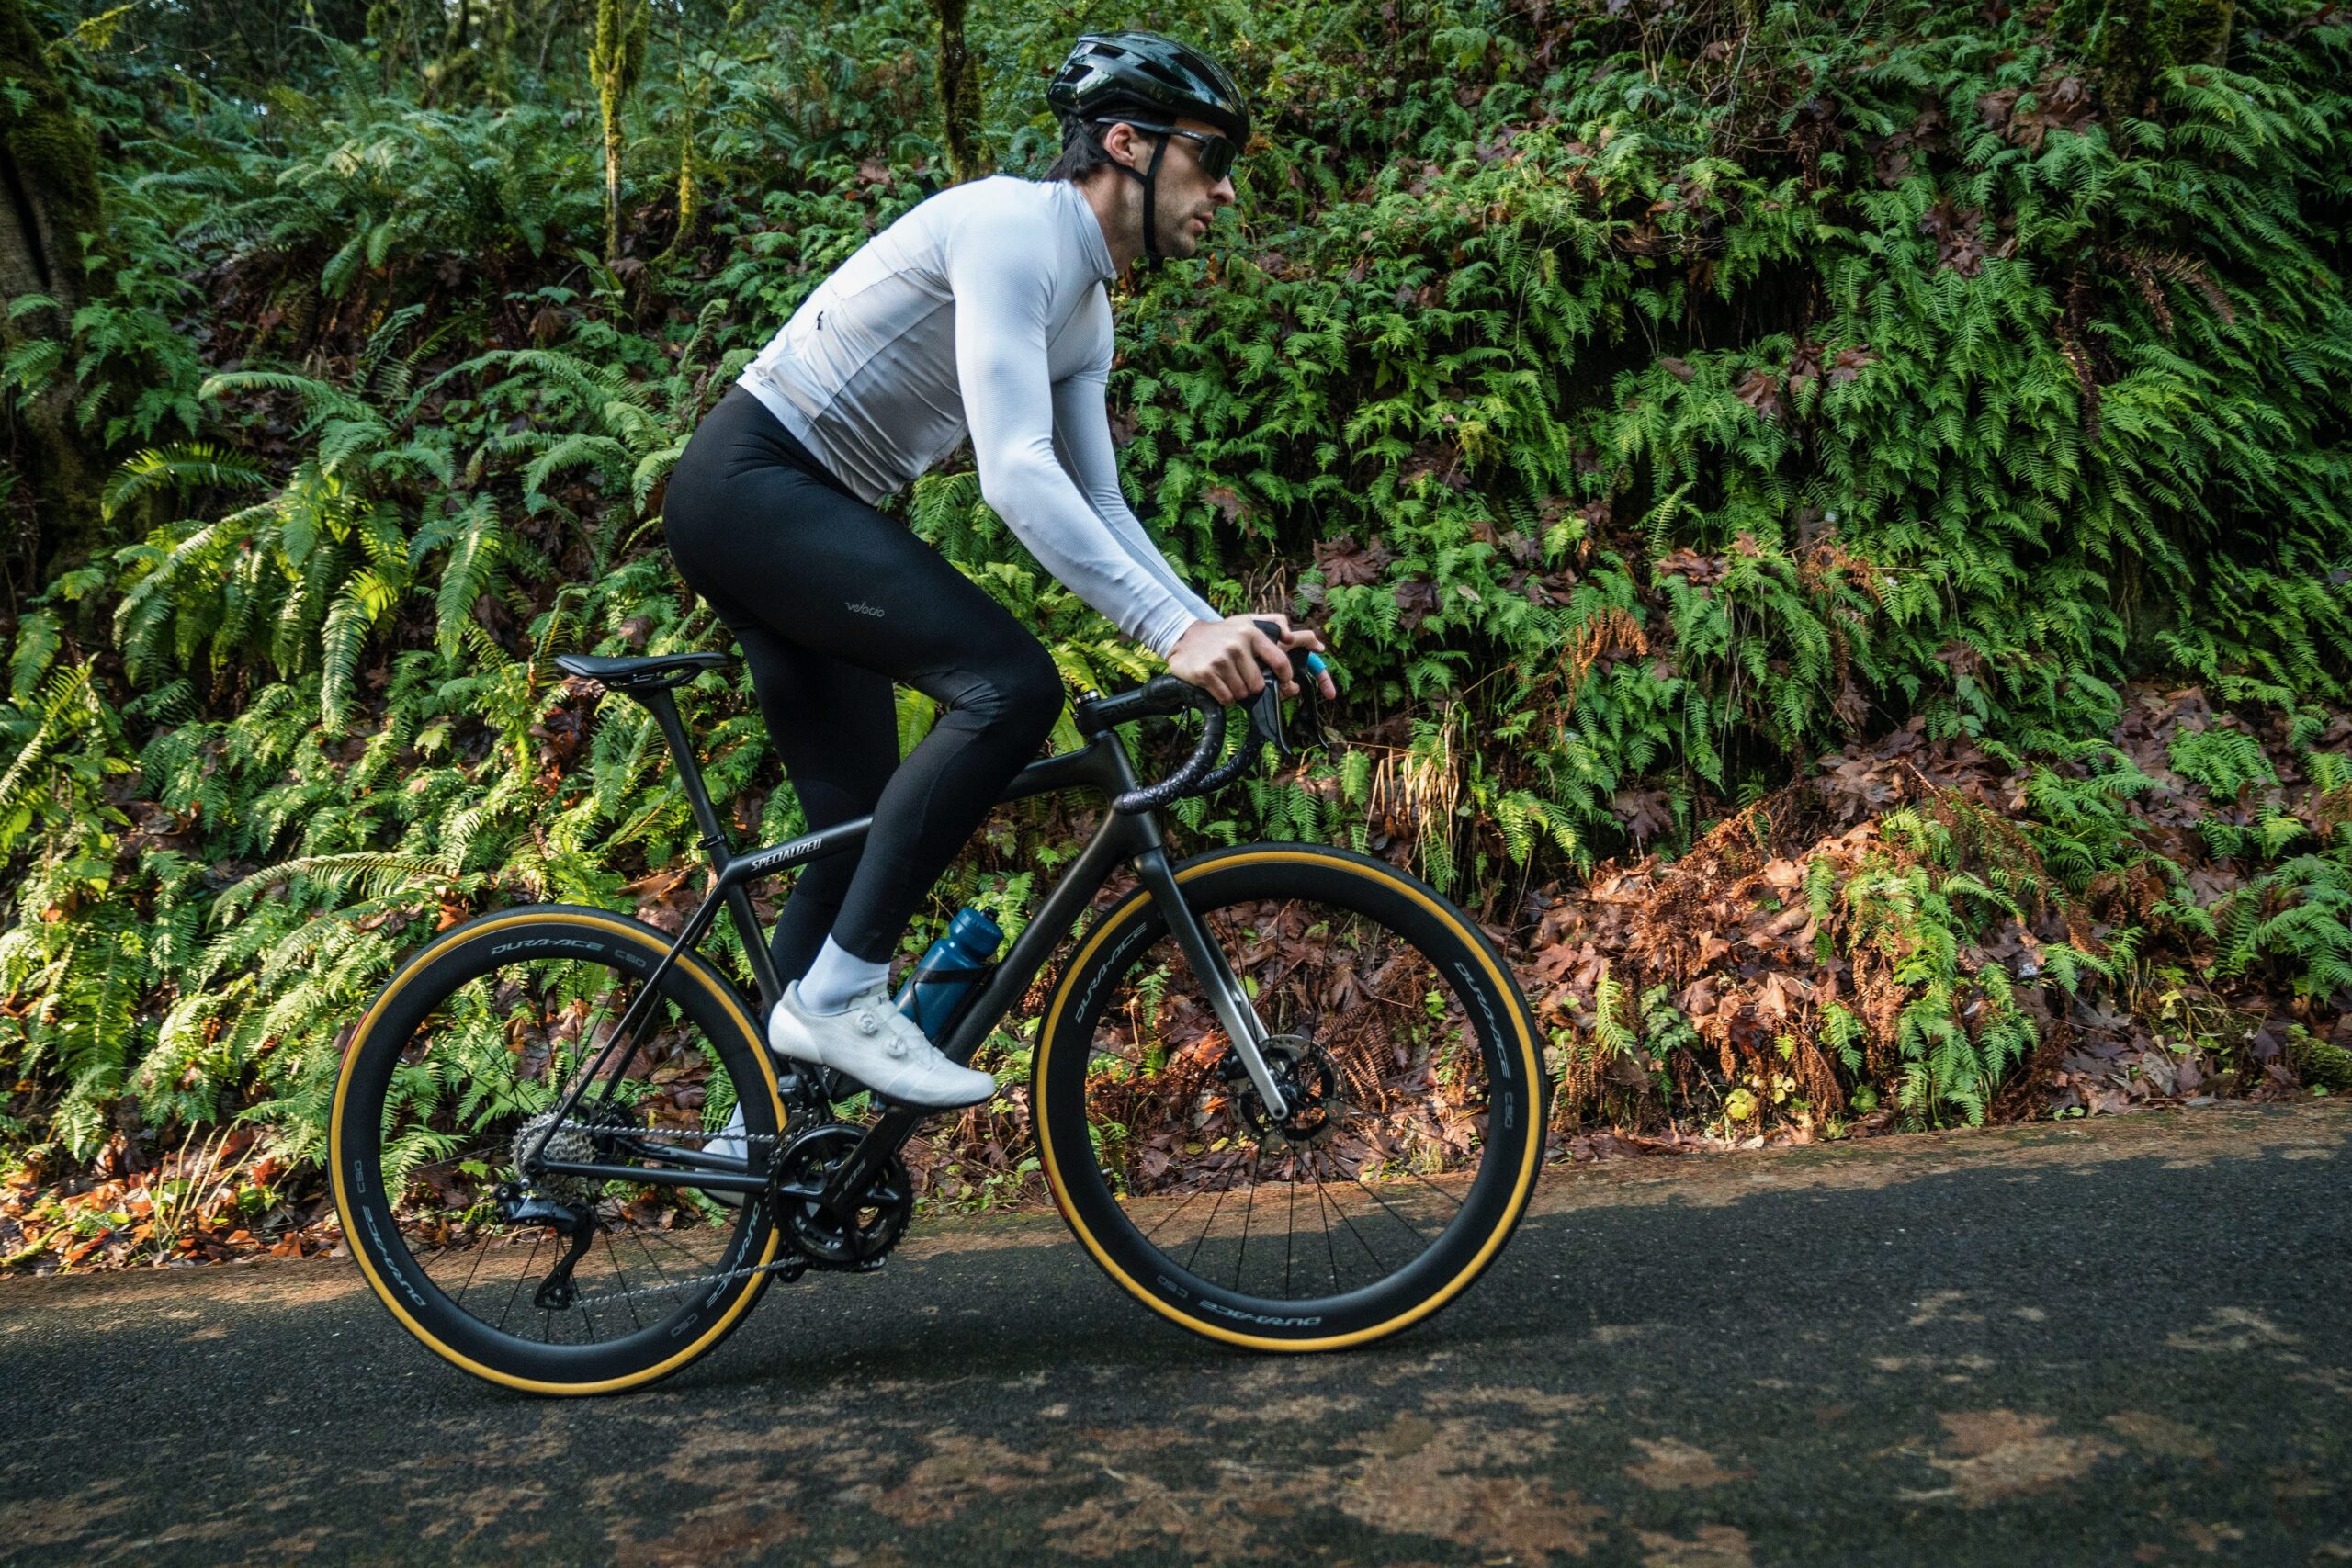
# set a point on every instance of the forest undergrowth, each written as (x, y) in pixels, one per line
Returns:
(1831, 516)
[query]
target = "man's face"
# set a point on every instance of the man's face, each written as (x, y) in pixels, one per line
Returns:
(1188, 199)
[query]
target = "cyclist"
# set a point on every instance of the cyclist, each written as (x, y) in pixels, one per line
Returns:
(982, 311)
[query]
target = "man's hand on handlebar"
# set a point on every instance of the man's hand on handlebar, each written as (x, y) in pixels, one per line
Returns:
(1225, 658)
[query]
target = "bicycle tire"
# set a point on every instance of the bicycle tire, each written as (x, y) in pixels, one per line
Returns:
(395, 1034)
(1420, 935)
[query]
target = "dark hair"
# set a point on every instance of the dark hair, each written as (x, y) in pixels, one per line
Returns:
(1081, 154)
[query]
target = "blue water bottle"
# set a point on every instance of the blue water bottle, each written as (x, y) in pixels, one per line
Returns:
(950, 974)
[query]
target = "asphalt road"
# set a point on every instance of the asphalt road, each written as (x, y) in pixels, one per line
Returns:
(2126, 1342)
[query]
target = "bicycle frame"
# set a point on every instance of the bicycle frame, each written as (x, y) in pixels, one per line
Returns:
(1102, 766)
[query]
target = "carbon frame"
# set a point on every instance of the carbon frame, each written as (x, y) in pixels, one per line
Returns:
(1101, 765)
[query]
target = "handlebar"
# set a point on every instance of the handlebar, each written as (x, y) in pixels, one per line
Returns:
(1165, 694)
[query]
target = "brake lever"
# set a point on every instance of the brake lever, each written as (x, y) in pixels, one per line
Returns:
(1266, 707)
(1310, 707)
(1266, 720)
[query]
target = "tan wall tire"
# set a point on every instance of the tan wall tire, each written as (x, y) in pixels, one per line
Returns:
(387, 1040)
(1403, 917)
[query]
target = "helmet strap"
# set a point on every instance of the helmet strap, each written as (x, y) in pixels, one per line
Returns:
(1150, 178)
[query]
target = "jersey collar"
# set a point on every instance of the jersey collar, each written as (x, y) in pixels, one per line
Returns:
(1095, 247)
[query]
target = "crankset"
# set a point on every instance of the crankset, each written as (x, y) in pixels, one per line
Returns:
(856, 1236)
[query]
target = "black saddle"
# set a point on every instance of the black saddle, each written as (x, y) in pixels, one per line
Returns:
(657, 672)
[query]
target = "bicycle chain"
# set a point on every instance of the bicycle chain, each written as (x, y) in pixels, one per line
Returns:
(609, 1129)
(700, 1281)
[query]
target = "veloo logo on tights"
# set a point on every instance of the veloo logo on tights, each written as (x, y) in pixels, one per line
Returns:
(874, 610)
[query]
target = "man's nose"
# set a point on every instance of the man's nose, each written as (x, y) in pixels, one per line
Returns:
(1222, 193)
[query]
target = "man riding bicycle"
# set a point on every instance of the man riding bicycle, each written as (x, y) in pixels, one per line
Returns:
(983, 311)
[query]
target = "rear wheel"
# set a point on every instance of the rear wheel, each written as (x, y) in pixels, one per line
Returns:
(1413, 1071)
(551, 1282)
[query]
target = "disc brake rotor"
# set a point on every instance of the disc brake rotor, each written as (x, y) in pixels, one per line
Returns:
(1309, 1078)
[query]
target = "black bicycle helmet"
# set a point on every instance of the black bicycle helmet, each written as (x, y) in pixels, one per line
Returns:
(1108, 74)
(1145, 77)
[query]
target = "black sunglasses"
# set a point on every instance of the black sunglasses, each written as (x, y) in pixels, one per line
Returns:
(1216, 154)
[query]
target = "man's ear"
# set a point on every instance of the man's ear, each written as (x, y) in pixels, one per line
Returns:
(1119, 140)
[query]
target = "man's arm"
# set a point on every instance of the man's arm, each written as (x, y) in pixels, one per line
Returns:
(1008, 402)
(1082, 437)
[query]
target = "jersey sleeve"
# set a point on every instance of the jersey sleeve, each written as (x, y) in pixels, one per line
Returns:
(1082, 440)
(1001, 296)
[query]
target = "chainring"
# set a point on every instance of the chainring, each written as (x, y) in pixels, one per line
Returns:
(827, 1239)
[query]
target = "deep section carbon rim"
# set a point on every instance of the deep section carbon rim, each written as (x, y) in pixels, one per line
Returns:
(537, 1277)
(1418, 1116)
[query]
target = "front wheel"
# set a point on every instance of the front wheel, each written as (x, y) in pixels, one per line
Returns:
(1417, 1088)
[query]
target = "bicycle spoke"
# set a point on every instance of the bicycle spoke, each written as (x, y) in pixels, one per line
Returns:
(621, 1278)
(479, 1253)
(1166, 1218)
(1411, 1229)
(1249, 1213)
(1330, 1244)
(1290, 1235)
(1324, 1194)
(536, 1238)
(1191, 1256)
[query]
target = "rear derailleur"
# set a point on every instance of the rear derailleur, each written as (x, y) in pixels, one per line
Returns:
(564, 1204)
(576, 1222)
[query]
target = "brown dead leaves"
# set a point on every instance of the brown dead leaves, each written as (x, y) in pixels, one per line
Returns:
(2026, 115)
(1750, 960)
(1992, 1455)
(215, 1200)
(1960, 238)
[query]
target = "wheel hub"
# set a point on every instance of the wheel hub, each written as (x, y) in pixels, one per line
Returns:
(580, 1141)
(1309, 1081)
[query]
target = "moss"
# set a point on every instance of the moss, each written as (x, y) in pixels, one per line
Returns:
(49, 151)
(2328, 1066)
(2130, 54)
(48, 197)
(2201, 31)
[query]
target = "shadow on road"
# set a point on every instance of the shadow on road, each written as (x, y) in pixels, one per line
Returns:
(2006, 1348)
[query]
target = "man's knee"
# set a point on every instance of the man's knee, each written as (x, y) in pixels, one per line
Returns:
(1036, 694)
(1019, 691)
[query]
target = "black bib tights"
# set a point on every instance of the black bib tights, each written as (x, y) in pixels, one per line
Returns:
(832, 602)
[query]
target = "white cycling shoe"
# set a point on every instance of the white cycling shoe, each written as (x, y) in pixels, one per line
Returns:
(879, 1046)
(730, 1144)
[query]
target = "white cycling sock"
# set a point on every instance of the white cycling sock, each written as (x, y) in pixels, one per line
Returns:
(838, 979)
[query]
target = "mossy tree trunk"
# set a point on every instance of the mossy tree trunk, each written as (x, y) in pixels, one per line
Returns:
(457, 64)
(49, 199)
(613, 62)
(959, 92)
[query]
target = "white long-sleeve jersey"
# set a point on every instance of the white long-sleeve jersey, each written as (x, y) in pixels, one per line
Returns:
(982, 308)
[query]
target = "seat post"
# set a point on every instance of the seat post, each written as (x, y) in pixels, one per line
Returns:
(665, 714)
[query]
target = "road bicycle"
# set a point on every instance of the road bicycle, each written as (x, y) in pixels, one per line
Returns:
(1287, 1096)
